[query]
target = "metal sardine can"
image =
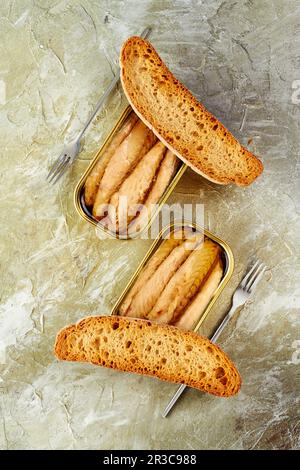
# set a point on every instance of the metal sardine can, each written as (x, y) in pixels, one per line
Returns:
(84, 211)
(227, 258)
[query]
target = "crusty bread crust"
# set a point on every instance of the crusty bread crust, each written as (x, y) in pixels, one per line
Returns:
(142, 347)
(183, 124)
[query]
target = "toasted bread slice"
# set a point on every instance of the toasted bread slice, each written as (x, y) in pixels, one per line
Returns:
(182, 123)
(142, 347)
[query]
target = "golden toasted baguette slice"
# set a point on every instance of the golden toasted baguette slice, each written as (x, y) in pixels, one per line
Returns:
(148, 295)
(154, 262)
(180, 121)
(165, 174)
(135, 187)
(185, 283)
(142, 347)
(194, 311)
(127, 155)
(94, 178)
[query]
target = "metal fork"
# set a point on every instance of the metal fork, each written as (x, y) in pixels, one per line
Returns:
(240, 296)
(71, 150)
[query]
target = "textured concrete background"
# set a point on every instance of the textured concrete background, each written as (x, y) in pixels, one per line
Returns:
(56, 58)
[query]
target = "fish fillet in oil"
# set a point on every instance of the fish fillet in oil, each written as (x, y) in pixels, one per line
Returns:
(147, 296)
(185, 283)
(94, 178)
(154, 262)
(132, 149)
(194, 311)
(165, 174)
(134, 189)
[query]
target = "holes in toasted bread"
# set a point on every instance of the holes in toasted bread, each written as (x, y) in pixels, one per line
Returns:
(128, 344)
(146, 56)
(219, 373)
(215, 127)
(163, 360)
(189, 347)
(149, 51)
(200, 147)
(115, 325)
(209, 349)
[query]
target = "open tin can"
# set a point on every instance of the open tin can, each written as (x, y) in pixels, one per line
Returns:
(226, 254)
(85, 212)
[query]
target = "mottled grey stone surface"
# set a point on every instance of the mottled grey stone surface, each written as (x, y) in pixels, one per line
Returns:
(56, 57)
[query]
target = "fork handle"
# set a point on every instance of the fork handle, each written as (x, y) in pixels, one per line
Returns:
(223, 324)
(144, 34)
(213, 339)
(100, 103)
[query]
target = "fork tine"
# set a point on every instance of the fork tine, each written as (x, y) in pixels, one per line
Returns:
(57, 162)
(253, 276)
(58, 169)
(256, 279)
(62, 171)
(245, 279)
